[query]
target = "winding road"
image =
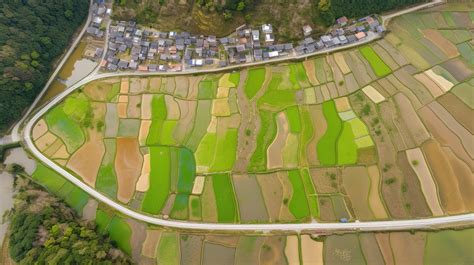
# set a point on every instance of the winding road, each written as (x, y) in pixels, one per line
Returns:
(393, 225)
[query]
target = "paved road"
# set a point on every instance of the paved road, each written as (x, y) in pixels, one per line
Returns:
(363, 226)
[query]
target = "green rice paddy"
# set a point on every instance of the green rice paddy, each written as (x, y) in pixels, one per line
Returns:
(160, 179)
(255, 79)
(225, 198)
(168, 251)
(265, 136)
(120, 232)
(64, 127)
(225, 152)
(102, 219)
(293, 116)
(379, 67)
(449, 247)
(311, 195)
(106, 181)
(298, 203)
(346, 147)
(326, 147)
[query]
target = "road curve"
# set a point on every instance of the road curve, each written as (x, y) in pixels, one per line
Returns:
(362, 226)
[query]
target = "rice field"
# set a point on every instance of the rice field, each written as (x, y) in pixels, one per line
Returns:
(192, 147)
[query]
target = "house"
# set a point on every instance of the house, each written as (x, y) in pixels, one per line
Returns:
(343, 40)
(379, 29)
(143, 68)
(310, 48)
(269, 39)
(133, 65)
(112, 67)
(342, 21)
(122, 65)
(267, 28)
(351, 38)
(240, 48)
(172, 50)
(299, 49)
(307, 30)
(255, 35)
(152, 68)
(308, 41)
(360, 35)
(273, 54)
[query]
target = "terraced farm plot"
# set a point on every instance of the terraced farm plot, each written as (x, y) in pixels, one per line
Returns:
(254, 145)
(379, 67)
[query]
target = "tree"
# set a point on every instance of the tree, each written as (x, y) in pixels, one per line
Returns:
(241, 6)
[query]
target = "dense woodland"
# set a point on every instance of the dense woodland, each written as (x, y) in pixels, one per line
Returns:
(32, 35)
(44, 230)
(329, 10)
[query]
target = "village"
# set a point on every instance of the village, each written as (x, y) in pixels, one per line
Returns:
(131, 47)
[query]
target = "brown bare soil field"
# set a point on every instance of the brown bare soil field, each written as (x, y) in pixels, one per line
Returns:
(339, 57)
(459, 69)
(311, 251)
(319, 95)
(388, 87)
(342, 104)
(61, 162)
(272, 192)
(143, 133)
(128, 162)
(224, 240)
(191, 249)
(39, 129)
(123, 99)
(311, 72)
(273, 251)
(417, 162)
(325, 92)
(362, 61)
(338, 76)
(186, 122)
(172, 107)
(61, 153)
(333, 90)
(292, 250)
(460, 111)
(413, 123)
(220, 107)
(274, 151)
(408, 248)
(444, 135)
(434, 89)
(392, 121)
(135, 85)
(87, 159)
(182, 85)
(442, 82)
(208, 202)
(198, 185)
(370, 249)
(357, 184)
(143, 182)
(383, 239)
(351, 83)
(111, 120)
(463, 134)
(416, 203)
(155, 84)
(373, 94)
(447, 182)
(146, 106)
(194, 86)
(405, 76)
(122, 110)
(464, 175)
(375, 201)
(170, 86)
(45, 141)
(97, 90)
(320, 126)
(445, 45)
(326, 209)
(53, 148)
(134, 106)
(143, 84)
(326, 180)
(151, 242)
(124, 86)
(367, 156)
(405, 90)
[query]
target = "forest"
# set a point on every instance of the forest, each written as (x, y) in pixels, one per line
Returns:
(44, 230)
(32, 35)
(329, 10)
